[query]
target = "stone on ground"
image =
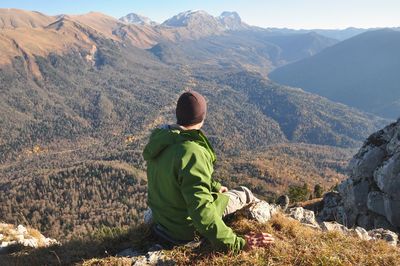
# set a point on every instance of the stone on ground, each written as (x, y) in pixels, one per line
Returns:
(306, 217)
(261, 211)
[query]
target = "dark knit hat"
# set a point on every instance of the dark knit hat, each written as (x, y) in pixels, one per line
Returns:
(191, 108)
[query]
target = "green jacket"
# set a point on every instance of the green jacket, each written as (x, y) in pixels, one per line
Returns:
(181, 192)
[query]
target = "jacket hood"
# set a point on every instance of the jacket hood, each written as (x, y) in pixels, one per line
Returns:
(161, 138)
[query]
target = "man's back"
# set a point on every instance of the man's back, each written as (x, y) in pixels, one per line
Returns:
(181, 192)
(164, 195)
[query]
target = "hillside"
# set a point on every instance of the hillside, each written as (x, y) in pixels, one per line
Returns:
(16, 18)
(252, 50)
(300, 238)
(71, 193)
(352, 72)
(80, 96)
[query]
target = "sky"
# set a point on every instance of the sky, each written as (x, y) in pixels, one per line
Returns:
(296, 14)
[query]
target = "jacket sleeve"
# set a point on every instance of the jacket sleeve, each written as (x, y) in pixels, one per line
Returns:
(215, 186)
(196, 188)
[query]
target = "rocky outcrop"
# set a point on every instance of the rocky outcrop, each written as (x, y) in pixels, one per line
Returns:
(382, 234)
(370, 198)
(358, 231)
(261, 211)
(13, 237)
(306, 217)
(154, 256)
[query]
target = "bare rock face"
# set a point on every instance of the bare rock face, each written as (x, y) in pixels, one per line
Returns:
(332, 211)
(334, 226)
(389, 236)
(12, 237)
(306, 217)
(375, 234)
(261, 211)
(362, 233)
(370, 198)
(152, 257)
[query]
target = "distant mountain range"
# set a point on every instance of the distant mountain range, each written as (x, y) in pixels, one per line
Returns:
(339, 34)
(250, 47)
(362, 72)
(232, 21)
(80, 94)
(92, 47)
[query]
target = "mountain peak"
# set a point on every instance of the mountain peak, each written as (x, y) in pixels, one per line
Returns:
(133, 18)
(189, 17)
(231, 20)
(230, 14)
(202, 20)
(16, 18)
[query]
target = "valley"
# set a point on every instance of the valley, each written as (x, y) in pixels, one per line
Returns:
(79, 95)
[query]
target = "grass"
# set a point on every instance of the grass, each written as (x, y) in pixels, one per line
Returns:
(295, 245)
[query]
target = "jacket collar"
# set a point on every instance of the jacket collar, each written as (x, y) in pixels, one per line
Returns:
(195, 135)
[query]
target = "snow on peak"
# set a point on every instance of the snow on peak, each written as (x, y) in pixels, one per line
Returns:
(184, 18)
(136, 19)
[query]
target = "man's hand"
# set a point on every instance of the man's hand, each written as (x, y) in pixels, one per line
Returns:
(254, 240)
(223, 189)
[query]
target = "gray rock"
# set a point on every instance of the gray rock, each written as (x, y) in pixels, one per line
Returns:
(358, 231)
(360, 192)
(370, 197)
(382, 222)
(334, 226)
(20, 236)
(304, 216)
(387, 177)
(387, 235)
(392, 211)
(346, 190)
(155, 256)
(373, 189)
(261, 211)
(366, 220)
(362, 233)
(331, 204)
(332, 199)
(394, 144)
(364, 165)
(376, 202)
(130, 253)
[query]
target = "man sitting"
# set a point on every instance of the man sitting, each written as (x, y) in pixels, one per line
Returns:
(184, 198)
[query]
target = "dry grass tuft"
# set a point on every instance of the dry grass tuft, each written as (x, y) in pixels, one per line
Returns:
(109, 261)
(295, 245)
